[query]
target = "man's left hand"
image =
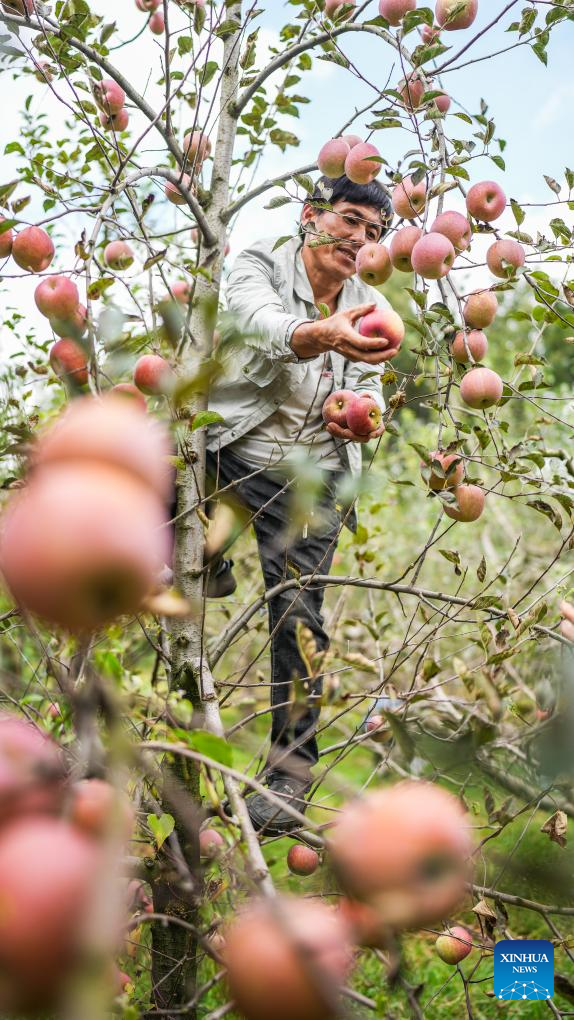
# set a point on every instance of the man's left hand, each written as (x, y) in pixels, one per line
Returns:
(341, 433)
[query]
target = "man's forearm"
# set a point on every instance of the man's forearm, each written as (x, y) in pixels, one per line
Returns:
(304, 340)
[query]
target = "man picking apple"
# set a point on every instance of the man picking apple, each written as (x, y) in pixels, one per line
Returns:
(270, 396)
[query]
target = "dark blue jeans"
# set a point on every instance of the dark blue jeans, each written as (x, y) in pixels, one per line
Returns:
(294, 720)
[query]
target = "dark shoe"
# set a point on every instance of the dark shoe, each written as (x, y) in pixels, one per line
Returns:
(267, 815)
(221, 580)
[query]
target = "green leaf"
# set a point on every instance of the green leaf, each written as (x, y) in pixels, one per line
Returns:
(161, 828)
(305, 182)
(277, 201)
(203, 418)
(208, 744)
(518, 211)
(282, 240)
(208, 72)
(552, 184)
(324, 309)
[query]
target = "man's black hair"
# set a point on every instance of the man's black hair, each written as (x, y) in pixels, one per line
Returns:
(329, 190)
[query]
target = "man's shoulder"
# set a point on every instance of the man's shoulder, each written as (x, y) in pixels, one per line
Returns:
(269, 248)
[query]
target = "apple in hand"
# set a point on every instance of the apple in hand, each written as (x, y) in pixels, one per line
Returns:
(364, 414)
(335, 407)
(386, 324)
(373, 264)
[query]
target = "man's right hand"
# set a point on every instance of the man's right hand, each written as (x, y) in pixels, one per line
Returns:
(338, 333)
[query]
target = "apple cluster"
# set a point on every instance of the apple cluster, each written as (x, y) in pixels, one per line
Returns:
(156, 23)
(54, 848)
(290, 956)
(196, 149)
(84, 540)
(111, 98)
(358, 412)
(445, 472)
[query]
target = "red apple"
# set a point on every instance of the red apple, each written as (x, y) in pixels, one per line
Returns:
(302, 860)
(174, 193)
(32, 770)
(109, 96)
(454, 945)
(57, 296)
(453, 471)
(409, 199)
(386, 847)
(115, 121)
(82, 543)
(455, 14)
(362, 163)
(196, 147)
(505, 257)
(47, 876)
(131, 392)
(430, 34)
(433, 256)
(69, 362)
(395, 10)
(153, 375)
(384, 323)
(286, 959)
(412, 91)
(333, 8)
(6, 240)
(352, 140)
(469, 504)
(456, 227)
(32, 249)
(110, 430)
(148, 5)
(181, 291)
(486, 201)
(75, 326)
(480, 309)
(332, 156)
(443, 102)
(373, 264)
(401, 248)
(481, 388)
(211, 843)
(156, 23)
(97, 809)
(364, 414)
(335, 407)
(43, 71)
(476, 343)
(118, 255)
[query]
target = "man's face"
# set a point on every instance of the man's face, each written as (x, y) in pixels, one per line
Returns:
(352, 224)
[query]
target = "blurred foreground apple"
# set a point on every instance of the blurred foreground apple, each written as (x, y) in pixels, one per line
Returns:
(287, 959)
(404, 852)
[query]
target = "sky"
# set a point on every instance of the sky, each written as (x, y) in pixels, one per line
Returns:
(531, 104)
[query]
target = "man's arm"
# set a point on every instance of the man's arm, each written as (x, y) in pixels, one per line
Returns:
(253, 300)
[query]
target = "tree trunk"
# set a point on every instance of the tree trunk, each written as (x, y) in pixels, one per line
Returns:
(174, 950)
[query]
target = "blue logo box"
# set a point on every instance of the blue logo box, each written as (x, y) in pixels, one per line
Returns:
(524, 969)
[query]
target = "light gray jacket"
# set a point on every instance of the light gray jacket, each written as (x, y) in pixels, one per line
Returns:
(262, 373)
